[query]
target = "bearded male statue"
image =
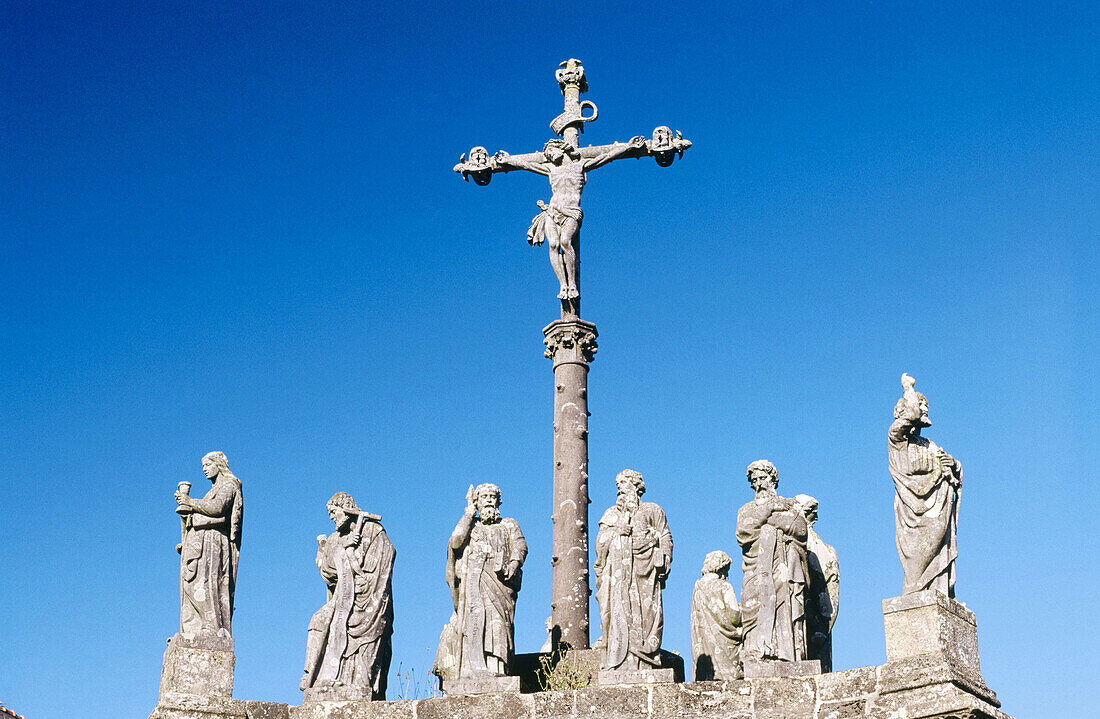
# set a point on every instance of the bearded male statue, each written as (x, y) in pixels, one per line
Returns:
(927, 481)
(348, 643)
(209, 548)
(772, 532)
(484, 559)
(633, 558)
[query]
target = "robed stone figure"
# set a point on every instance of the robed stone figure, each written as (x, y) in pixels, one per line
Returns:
(823, 594)
(348, 642)
(715, 622)
(484, 559)
(633, 558)
(772, 533)
(927, 481)
(209, 549)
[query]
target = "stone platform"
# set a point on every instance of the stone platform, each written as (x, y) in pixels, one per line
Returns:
(931, 672)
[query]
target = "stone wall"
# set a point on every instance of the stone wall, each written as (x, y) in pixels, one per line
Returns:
(931, 672)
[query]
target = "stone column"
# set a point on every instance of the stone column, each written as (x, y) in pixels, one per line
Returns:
(571, 345)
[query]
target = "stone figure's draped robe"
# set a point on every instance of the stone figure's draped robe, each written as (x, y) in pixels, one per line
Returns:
(715, 629)
(478, 640)
(926, 509)
(823, 600)
(350, 635)
(772, 535)
(208, 559)
(629, 583)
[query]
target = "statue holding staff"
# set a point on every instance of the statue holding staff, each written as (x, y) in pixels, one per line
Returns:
(348, 643)
(927, 482)
(485, 557)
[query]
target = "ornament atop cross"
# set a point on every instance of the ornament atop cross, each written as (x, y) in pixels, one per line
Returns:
(558, 223)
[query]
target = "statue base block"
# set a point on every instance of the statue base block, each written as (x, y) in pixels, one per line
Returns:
(929, 622)
(336, 694)
(807, 668)
(196, 680)
(642, 676)
(192, 668)
(481, 685)
(932, 657)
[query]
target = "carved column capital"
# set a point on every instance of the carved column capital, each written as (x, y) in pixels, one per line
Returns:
(570, 342)
(571, 74)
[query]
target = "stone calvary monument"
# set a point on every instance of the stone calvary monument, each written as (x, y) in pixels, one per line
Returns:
(766, 656)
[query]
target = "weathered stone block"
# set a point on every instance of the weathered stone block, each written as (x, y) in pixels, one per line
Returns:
(190, 670)
(934, 700)
(807, 668)
(354, 710)
(481, 685)
(174, 705)
(266, 710)
(342, 693)
(481, 706)
(848, 684)
(700, 700)
(928, 669)
(622, 702)
(783, 698)
(929, 622)
(842, 710)
(644, 676)
(554, 705)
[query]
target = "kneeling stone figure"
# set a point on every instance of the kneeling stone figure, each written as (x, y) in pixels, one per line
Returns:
(715, 622)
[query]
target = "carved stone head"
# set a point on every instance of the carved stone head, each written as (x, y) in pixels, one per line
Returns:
(214, 463)
(763, 476)
(556, 150)
(808, 505)
(913, 405)
(717, 562)
(487, 501)
(630, 488)
(338, 505)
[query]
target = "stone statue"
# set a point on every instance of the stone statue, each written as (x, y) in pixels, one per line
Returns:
(927, 481)
(633, 558)
(209, 548)
(823, 599)
(348, 643)
(559, 223)
(715, 622)
(484, 559)
(772, 532)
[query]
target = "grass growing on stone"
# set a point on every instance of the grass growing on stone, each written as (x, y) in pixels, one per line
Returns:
(414, 685)
(561, 670)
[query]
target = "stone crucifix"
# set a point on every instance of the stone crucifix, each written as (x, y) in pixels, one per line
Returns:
(570, 341)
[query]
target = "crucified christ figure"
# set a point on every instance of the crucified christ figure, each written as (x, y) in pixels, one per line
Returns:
(559, 223)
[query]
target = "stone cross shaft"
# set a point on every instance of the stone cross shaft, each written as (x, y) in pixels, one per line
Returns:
(570, 341)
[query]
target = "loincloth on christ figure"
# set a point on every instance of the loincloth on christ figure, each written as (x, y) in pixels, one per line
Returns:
(551, 214)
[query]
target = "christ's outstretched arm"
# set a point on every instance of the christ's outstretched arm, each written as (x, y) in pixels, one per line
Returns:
(614, 152)
(503, 162)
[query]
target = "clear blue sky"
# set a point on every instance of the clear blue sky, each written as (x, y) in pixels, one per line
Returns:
(238, 229)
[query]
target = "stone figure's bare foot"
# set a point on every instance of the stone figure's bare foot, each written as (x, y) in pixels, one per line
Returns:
(304, 684)
(571, 294)
(564, 294)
